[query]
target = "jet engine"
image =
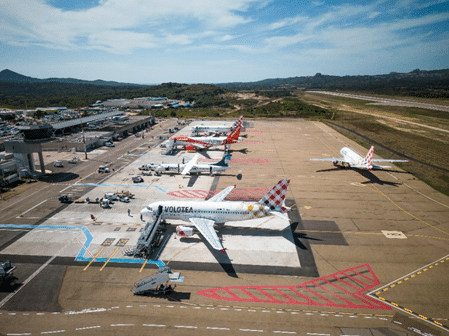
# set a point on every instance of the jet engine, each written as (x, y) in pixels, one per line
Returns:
(184, 231)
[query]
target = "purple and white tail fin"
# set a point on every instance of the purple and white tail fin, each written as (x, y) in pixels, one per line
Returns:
(275, 198)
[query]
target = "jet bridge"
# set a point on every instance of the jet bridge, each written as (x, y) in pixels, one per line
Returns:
(149, 237)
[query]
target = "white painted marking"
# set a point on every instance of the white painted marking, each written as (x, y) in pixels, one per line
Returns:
(40, 314)
(142, 305)
(309, 313)
(212, 308)
(394, 234)
(56, 313)
(196, 307)
(11, 313)
(280, 312)
(86, 328)
(284, 332)
(254, 330)
(183, 307)
(32, 208)
(223, 308)
(129, 306)
(18, 334)
(53, 332)
(353, 316)
(382, 318)
(170, 306)
(156, 306)
(338, 315)
(294, 313)
(153, 325)
(368, 317)
(251, 310)
(65, 188)
(266, 311)
(237, 309)
(188, 327)
(122, 325)
(216, 328)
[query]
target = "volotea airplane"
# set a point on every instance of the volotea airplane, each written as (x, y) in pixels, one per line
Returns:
(193, 167)
(192, 143)
(204, 215)
(209, 130)
(354, 160)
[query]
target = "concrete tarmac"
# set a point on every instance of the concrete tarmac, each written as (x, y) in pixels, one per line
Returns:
(381, 233)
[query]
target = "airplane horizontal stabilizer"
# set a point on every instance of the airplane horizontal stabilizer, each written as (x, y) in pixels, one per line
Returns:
(329, 159)
(280, 215)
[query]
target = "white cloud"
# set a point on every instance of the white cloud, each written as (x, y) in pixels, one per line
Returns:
(37, 22)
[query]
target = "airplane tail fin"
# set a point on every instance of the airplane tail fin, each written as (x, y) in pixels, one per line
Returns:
(224, 161)
(369, 158)
(234, 136)
(275, 198)
(239, 122)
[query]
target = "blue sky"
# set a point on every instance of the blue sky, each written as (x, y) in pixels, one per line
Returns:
(210, 41)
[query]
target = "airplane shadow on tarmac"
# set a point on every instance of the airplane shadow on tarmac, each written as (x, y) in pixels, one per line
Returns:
(243, 150)
(58, 177)
(371, 178)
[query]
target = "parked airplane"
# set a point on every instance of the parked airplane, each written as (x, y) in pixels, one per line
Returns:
(205, 214)
(210, 130)
(193, 167)
(354, 160)
(191, 143)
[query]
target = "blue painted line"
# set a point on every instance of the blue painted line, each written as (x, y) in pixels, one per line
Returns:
(160, 189)
(89, 238)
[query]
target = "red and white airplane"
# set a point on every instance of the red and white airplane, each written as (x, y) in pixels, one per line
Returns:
(204, 215)
(354, 160)
(214, 130)
(191, 143)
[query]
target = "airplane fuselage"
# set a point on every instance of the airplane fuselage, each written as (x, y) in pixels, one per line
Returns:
(202, 168)
(219, 212)
(351, 157)
(204, 141)
(198, 129)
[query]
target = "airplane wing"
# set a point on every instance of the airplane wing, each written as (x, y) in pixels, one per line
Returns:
(190, 165)
(388, 160)
(206, 228)
(330, 159)
(221, 195)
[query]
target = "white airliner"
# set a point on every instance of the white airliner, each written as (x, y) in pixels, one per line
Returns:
(354, 160)
(205, 214)
(193, 167)
(191, 143)
(216, 129)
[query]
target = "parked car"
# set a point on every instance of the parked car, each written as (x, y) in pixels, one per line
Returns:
(74, 159)
(137, 179)
(109, 144)
(58, 163)
(103, 169)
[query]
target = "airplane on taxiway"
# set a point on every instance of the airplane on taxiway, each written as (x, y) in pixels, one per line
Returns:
(204, 215)
(214, 130)
(192, 166)
(354, 160)
(191, 143)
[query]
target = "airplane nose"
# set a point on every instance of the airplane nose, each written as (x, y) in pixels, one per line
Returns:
(146, 212)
